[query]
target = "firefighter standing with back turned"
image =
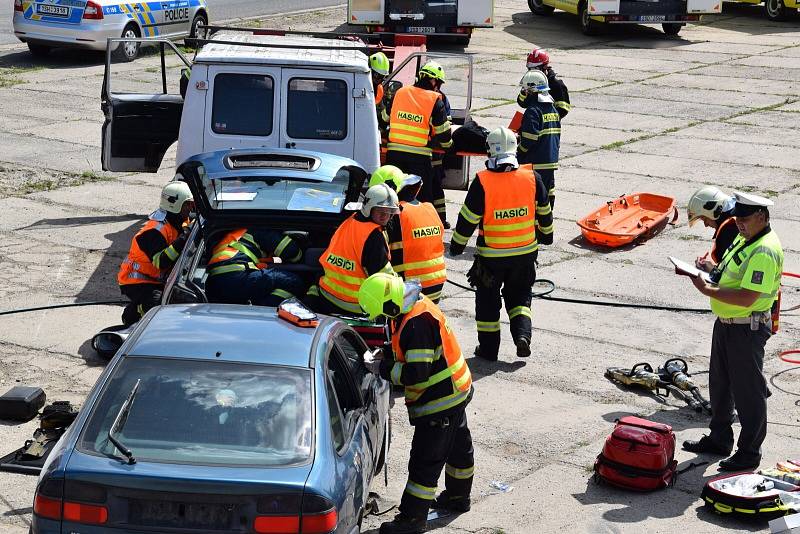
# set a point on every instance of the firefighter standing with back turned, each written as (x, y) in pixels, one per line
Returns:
(438, 385)
(154, 250)
(509, 203)
(415, 234)
(745, 285)
(418, 123)
(539, 59)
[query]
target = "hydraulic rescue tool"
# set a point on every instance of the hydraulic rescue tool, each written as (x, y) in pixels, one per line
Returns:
(642, 376)
(676, 370)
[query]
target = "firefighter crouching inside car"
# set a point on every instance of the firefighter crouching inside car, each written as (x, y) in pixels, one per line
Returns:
(415, 234)
(357, 249)
(438, 385)
(240, 270)
(418, 123)
(154, 250)
(509, 202)
(744, 288)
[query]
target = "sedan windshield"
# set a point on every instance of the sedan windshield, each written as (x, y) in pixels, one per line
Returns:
(206, 412)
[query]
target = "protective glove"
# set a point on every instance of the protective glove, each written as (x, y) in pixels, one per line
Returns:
(372, 361)
(456, 249)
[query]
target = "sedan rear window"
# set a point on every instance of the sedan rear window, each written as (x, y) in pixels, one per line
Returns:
(206, 412)
(243, 104)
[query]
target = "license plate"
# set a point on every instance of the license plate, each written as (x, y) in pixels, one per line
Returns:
(652, 18)
(421, 29)
(181, 515)
(49, 9)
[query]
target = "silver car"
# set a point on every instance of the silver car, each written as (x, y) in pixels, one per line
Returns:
(48, 24)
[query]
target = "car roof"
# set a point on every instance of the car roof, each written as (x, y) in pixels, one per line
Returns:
(218, 165)
(343, 60)
(239, 333)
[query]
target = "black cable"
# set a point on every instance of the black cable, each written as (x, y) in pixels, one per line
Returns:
(786, 391)
(70, 305)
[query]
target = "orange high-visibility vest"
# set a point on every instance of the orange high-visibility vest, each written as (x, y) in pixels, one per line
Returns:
(456, 371)
(137, 267)
(509, 214)
(716, 255)
(423, 246)
(231, 244)
(342, 262)
(410, 126)
(378, 94)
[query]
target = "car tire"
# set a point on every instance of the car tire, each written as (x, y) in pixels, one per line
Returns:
(127, 52)
(198, 20)
(39, 50)
(588, 26)
(775, 10)
(672, 28)
(538, 7)
(462, 40)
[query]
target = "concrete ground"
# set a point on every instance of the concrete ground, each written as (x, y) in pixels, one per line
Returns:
(718, 105)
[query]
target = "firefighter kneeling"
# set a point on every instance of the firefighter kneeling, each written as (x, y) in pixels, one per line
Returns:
(438, 385)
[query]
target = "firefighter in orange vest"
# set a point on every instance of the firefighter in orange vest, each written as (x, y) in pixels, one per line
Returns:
(357, 249)
(379, 67)
(241, 269)
(510, 204)
(715, 209)
(417, 124)
(415, 235)
(154, 250)
(438, 385)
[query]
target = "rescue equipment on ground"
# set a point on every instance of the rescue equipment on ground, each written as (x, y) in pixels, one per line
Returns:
(751, 495)
(639, 455)
(628, 218)
(293, 311)
(21, 403)
(470, 137)
(671, 378)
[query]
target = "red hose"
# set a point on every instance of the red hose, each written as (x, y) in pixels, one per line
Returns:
(793, 275)
(783, 357)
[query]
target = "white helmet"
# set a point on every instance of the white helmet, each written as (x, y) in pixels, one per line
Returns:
(174, 195)
(535, 81)
(379, 196)
(501, 142)
(708, 202)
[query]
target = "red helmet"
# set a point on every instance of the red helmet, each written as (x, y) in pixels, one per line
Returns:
(538, 59)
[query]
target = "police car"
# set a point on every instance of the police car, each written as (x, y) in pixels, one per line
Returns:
(47, 24)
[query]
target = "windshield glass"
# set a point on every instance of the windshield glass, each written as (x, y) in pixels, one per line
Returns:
(206, 412)
(284, 194)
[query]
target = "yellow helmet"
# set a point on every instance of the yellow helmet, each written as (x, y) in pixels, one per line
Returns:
(379, 63)
(432, 69)
(388, 174)
(381, 294)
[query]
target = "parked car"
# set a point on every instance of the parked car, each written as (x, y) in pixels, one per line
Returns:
(48, 24)
(219, 417)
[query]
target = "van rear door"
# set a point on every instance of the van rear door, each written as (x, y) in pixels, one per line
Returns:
(318, 109)
(242, 107)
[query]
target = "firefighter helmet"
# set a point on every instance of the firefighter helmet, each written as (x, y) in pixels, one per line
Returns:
(379, 196)
(708, 202)
(379, 63)
(381, 294)
(174, 195)
(501, 142)
(538, 59)
(535, 81)
(432, 69)
(388, 174)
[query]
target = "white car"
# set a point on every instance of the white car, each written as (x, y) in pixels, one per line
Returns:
(48, 24)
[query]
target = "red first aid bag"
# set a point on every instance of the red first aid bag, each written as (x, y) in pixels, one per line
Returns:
(638, 455)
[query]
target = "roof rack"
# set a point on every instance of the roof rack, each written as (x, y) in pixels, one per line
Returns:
(195, 42)
(376, 40)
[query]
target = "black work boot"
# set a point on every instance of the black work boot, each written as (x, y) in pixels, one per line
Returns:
(483, 356)
(454, 503)
(705, 445)
(523, 347)
(404, 524)
(740, 462)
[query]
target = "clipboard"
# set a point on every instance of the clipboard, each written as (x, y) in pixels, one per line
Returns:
(688, 268)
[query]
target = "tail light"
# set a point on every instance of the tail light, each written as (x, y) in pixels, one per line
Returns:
(92, 11)
(18, 5)
(284, 514)
(85, 504)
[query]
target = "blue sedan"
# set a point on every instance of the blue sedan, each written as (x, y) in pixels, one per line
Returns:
(228, 418)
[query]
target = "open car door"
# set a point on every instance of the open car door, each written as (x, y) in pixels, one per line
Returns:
(142, 107)
(458, 88)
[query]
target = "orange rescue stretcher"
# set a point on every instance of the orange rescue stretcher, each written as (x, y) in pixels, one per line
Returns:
(628, 218)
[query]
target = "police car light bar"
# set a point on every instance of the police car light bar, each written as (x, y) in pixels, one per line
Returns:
(293, 311)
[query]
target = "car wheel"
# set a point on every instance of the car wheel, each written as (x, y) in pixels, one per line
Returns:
(775, 10)
(199, 20)
(672, 28)
(39, 50)
(539, 8)
(588, 26)
(129, 50)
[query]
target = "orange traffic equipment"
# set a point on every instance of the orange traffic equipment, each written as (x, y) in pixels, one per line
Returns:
(627, 218)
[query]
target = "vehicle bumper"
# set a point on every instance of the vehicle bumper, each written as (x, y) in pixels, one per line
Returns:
(86, 35)
(646, 19)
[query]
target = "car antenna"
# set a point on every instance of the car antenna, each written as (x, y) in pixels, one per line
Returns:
(119, 422)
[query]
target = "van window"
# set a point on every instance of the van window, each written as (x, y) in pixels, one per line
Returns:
(317, 109)
(243, 104)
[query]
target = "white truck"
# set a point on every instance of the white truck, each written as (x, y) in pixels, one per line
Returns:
(253, 88)
(453, 18)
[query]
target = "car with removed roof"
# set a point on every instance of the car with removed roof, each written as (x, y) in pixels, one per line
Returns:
(222, 418)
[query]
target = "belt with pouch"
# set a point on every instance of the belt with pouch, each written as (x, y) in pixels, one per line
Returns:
(761, 317)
